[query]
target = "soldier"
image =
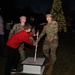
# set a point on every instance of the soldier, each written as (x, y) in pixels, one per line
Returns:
(18, 27)
(51, 40)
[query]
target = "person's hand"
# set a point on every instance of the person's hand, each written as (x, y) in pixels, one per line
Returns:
(35, 34)
(37, 40)
(51, 40)
(34, 43)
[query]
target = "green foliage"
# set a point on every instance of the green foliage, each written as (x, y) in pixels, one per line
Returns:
(58, 15)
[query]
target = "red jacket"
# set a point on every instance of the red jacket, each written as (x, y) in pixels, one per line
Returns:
(18, 38)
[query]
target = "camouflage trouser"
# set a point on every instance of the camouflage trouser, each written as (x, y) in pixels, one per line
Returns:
(21, 51)
(49, 50)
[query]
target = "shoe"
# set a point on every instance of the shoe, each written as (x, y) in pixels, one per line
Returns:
(13, 71)
(47, 64)
(16, 70)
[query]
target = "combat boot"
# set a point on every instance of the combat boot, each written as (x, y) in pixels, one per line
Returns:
(50, 70)
(48, 63)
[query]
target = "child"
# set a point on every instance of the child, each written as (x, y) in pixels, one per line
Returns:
(12, 46)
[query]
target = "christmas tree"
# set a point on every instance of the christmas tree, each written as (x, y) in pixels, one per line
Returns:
(58, 15)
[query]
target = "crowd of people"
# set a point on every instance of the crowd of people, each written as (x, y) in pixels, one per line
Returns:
(24, 32)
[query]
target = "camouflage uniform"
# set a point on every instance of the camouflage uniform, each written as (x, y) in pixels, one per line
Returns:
(16, 28)
(51, 30)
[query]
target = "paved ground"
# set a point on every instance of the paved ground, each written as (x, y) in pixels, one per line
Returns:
(65, 64)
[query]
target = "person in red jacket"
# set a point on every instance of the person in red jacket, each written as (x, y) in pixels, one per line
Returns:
(12, 47)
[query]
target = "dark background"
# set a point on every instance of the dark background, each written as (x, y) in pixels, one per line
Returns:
(12, 9)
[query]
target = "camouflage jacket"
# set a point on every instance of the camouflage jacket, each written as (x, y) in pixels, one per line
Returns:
(51, 30)
(18, 27)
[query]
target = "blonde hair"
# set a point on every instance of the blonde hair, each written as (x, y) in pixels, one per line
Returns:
(49, 15)
(22, 17)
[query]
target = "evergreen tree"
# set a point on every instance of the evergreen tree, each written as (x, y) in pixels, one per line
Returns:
(58, 15)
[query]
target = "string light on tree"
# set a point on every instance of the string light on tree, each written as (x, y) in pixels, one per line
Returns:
(58, 15)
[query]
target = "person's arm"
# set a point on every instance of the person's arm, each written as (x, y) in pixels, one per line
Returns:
(31, 35)
(41, 35)
(55, 30)
(26, 38)
(12, 31)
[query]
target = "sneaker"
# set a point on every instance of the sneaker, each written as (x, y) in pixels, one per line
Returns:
(13, 71)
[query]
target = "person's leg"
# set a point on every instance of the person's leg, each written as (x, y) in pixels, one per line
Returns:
(21, 51)
(16, 59)
(46, 48)
(53, 54)
(54, 46)
(9, 62)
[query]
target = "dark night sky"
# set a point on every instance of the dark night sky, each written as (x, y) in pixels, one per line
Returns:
(38, 6)
(43, 5)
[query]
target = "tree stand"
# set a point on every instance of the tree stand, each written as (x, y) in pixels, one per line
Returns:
(31, 67)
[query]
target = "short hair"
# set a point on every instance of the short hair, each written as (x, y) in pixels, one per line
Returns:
(49, 15)
(23, 17)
